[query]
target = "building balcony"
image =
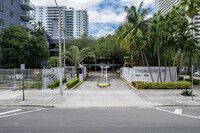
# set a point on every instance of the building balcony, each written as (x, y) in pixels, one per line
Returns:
(27, 26)
(26, 15)
(27, 5)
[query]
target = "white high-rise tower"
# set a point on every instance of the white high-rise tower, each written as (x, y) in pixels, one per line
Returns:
(164, 6)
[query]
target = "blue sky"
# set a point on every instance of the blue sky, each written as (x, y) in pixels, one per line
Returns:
(104, 15)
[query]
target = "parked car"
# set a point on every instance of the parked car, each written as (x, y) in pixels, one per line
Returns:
(118, 71)
(196, 74)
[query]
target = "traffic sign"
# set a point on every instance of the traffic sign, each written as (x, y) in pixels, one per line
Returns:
(22, 66)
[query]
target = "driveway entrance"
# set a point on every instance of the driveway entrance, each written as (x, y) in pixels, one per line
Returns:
(88, 94)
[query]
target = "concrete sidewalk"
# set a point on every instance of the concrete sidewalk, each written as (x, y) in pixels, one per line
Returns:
(88, 95)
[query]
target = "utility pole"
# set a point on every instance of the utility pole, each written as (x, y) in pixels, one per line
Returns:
(192, 83)
(64, 31)
(60, 52)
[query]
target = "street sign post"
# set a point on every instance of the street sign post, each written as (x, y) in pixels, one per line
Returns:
(192, 83)
(23, 68)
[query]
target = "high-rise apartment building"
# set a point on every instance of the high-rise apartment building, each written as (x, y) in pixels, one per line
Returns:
(49, 16)
(17, 12)
(80, 23)
(164, 6)
(74, 22)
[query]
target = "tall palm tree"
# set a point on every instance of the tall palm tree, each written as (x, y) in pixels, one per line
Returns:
(192, 7)
(132, 36)
(157, 30)
(135, 22)
(76, 56)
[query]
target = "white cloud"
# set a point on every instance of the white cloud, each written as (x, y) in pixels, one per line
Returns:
(78, 4)
(104, 31)
(105, 16)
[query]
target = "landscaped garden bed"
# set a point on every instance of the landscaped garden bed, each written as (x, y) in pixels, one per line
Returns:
(72, 83)
(163, 85)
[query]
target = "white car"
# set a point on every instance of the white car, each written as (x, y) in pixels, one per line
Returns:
(118, 71)
(196, 74)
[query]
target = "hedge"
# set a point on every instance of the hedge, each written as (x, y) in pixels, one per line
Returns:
(181, 78)
(31, 85)
(163, 85)
(72, 83)
(57, 83)
(195, 81)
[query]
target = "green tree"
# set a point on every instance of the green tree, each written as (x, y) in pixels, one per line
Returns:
(16, 47)
(76, 56)
(40, 51)
(53, 62)
(192, 7)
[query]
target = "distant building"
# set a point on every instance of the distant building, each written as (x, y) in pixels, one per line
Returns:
(164, 6)
(16, 12)
(74, 22)
(49, 18)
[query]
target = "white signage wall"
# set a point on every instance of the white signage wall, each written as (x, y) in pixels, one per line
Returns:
(142, 74)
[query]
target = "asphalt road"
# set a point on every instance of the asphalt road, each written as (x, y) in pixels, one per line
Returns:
(36, 120)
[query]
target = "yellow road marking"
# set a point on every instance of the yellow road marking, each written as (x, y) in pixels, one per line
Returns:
(77, 85)
(129, 84)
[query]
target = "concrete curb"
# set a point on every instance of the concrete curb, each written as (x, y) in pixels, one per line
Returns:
(40, 106)
(129, 84)
(77, 85)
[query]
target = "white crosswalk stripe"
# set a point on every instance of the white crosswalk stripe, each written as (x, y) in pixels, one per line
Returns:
(9, 112)
(178, 111)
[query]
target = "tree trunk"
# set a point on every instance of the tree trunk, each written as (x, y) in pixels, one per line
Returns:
(179, 62)
(159, 73)
(173, 74)
(170, 73)
(148, 66)
(181, 65)
(165, 65)
(76, 66)
(142, 58)
(189, 67)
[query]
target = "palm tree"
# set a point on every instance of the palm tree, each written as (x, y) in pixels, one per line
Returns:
(132, 36)
(76, 56)
(192, 7)
(52, 62)
(135, 22)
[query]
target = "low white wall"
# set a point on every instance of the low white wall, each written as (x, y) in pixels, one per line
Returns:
(142, 74)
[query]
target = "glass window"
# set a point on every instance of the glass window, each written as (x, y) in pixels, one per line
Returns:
(1, 22)
(11, 2)
(11, 14)
(1, 8)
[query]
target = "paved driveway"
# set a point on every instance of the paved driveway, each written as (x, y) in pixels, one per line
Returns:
(88, 94)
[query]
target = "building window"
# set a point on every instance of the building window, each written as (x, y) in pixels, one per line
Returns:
(1, 8)
(11, 2)
(11, 14)
(1, 22)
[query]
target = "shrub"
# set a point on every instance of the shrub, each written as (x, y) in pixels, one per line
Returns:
(31, 85)
(195, 81)
(72, 83)
(185, 73)
(181, 78)
(163, 85)
(186, 93)
(57, 83)
(64, 80)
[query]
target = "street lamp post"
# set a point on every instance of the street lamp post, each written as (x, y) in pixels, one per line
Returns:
(60, 52)
(64, 52)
